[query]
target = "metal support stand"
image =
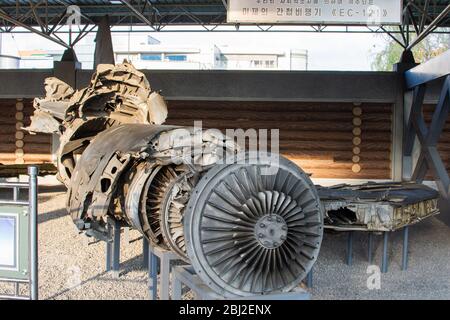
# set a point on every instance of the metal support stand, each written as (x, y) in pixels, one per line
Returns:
(309, 279)
(384, 261)
(145, 253)
(405, 248)
(33, 203)
(384, 258)
(370, 247)
(350, 248)
(113, 247)
(153, 275)
(165, 263)
(185, 275)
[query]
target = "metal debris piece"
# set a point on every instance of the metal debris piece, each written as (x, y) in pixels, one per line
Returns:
(377, 206)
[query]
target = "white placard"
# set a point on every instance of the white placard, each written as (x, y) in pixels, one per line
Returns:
(325, 12)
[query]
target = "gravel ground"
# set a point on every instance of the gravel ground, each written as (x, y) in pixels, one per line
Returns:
(72, 268)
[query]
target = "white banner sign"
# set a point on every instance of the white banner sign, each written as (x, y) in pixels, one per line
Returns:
(334, 12)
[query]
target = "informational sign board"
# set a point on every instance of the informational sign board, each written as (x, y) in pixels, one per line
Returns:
(324, 12)
(14, 239)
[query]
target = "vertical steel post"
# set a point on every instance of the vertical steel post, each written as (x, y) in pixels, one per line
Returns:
(16, 193)
(165, 277)
(405, 248)
(370, 247)
(309, 279)
(33, 204)
(116, 248)
(350, 248)
(109, 247)
(153, 275)
(384, 262)
(177, 288)
(145, 251)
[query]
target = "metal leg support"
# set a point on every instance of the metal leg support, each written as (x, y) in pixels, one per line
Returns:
(185, 275)
(160, 263)
(116, 249)
(384, 261)
(113, 247)
(145, 252)
(109, 246)
(33, 209)
(350, 248)
(153, 275)
(177, 287)
(370, 248)
(405, 248)
(309, 279)
(165, 277)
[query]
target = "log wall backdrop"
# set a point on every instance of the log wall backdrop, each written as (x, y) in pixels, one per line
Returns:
(16, 145)
(328, 140)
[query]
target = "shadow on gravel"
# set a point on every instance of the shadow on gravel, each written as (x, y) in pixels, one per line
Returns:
(129, 265)
(133, 264)
(51, 189)
(52, 215)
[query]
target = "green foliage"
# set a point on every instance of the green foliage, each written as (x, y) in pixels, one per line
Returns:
(430, 47)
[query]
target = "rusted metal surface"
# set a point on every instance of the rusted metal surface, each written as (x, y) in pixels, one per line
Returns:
(116, 95)
(377, 206)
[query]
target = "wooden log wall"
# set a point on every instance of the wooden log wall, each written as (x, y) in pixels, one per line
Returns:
(328, 140)
(16, 145)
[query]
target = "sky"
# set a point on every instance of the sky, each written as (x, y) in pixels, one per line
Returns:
(327, 51)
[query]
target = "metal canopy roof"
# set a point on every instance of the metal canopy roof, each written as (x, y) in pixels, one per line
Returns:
(191, 12)
(47, 16)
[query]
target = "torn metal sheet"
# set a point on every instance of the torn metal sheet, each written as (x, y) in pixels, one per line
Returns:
(377, 206)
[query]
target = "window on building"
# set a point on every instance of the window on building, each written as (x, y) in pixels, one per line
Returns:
(176, 57)
(270, 64)
(152, 41)
(127, 56)
(151, 56)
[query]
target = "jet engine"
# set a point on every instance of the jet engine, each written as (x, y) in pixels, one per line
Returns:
(249, 222)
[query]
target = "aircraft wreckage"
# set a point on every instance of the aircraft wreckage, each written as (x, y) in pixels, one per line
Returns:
(245, 229)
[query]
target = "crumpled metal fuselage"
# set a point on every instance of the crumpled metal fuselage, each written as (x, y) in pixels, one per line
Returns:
(377, 207)
(107, 130)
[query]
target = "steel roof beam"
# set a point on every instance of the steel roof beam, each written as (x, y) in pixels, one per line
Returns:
(433, 25)
(433, 69)
(31, 29)
(138, 14)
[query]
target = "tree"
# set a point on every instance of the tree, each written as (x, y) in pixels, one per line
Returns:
(430, 47)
